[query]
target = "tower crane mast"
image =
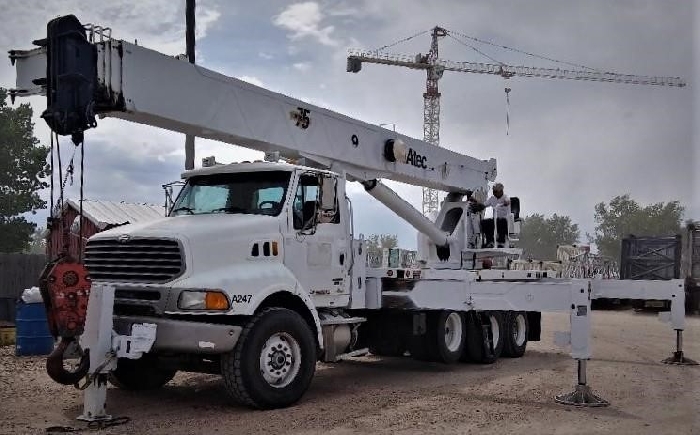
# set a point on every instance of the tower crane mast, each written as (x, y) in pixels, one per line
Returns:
(435, 67)
(431, 113)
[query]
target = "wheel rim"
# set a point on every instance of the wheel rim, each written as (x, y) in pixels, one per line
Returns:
(495, 330)
(519, 330)
(453, 332)
(280, 360)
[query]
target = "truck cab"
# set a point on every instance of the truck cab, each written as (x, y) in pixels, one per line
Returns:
(229, 228)
(238, 238)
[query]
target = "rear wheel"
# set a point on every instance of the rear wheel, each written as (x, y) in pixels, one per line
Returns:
(444, 338)
(140, 374)
(478, 337)
(273, 362)
(386, 335)
(515, 334)
(454, 335)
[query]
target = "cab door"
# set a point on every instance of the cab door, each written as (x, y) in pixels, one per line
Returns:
(317, 246)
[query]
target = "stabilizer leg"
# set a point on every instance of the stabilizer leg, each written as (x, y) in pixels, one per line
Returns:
(98, 339)
(678, 358)
(579, 339)
(678, 323)
(582, 394)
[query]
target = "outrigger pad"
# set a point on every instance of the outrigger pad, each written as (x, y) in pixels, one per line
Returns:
(679, 359)
(581, 396)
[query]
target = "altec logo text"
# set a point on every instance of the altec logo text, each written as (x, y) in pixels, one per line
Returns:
(416, 159)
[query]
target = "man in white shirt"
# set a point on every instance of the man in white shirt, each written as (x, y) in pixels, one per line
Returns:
(501, 208)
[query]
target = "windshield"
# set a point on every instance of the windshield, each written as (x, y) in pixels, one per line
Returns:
(260, 192)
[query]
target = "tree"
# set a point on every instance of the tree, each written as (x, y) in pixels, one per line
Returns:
(22, 168)
(623, 217)
(375, 243)
(38, 242)
(540, 236)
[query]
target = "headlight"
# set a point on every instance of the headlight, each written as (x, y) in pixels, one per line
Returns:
(202, 300)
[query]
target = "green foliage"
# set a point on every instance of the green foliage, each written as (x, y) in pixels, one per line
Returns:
(22, 167)
(374, 243)
(38, 242)
(540, 236)
(623, 216)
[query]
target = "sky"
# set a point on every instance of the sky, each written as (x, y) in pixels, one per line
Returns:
(569, 145)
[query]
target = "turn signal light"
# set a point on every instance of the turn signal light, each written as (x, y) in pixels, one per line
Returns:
(216, 301)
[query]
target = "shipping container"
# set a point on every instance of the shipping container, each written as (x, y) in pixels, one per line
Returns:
(670, 257)
(690, 266)
(651, 257)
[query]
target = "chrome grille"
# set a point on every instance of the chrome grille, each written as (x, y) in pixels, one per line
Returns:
(134, 260)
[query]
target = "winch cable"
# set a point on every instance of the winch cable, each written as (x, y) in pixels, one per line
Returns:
(51, 169)
(64, 247)
(383, 47)
(70, 171)
(81, 242)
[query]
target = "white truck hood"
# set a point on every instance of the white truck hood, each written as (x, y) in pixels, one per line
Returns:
(196, 226)
(209, 242)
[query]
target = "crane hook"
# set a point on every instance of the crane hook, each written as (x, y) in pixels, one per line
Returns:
(55, 367)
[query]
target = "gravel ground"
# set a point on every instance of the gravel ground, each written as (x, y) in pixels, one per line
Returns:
(398, 395)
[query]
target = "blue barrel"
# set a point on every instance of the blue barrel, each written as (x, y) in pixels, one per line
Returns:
(32, 333)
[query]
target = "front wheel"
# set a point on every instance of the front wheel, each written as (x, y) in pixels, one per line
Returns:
(273, 362)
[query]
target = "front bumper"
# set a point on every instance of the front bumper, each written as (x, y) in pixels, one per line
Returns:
(182, 336)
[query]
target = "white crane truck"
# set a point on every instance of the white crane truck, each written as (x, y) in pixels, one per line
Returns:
(257, 272)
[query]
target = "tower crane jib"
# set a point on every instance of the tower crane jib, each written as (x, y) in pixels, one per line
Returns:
(435, 67)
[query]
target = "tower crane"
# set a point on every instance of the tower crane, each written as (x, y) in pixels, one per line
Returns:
(435, 67)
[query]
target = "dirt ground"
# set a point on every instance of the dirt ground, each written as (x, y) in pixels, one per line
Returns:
(398, 395)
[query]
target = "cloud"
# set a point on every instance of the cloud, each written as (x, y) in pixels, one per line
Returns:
(303, 20)
(571, 144)
(205, 17)
(302, 66)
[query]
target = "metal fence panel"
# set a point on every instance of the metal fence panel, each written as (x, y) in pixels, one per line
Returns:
(17, 272)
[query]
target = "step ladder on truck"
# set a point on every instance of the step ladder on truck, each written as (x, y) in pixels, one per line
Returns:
(256, 273)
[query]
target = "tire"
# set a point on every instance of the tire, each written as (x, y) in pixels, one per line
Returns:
(140, 374)
(474, 349)
(444, 339)
(515, 334)
(385, 336)
(387, 348)
(273, 362)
